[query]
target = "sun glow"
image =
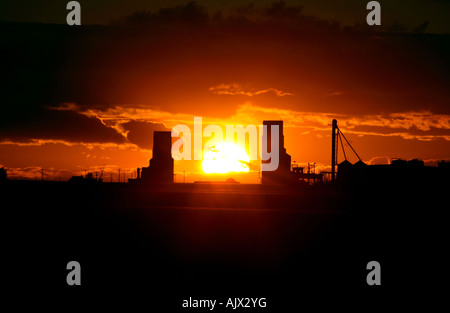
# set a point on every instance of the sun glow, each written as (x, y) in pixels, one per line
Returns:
(225, 158)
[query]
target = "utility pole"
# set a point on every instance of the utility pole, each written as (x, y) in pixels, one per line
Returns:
(333, 150)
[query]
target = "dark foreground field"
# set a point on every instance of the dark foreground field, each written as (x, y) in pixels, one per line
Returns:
(155, 246)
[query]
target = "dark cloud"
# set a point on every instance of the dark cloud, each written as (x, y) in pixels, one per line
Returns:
(68, 126)
(432, 133)
(141, 133)
(169, 58)
(188, 14)
(410, 13)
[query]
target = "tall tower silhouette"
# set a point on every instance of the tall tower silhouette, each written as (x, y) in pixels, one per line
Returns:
(282, 173)
(160, 168)
(333, 149)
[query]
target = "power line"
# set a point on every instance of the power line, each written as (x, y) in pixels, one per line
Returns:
(349, 144)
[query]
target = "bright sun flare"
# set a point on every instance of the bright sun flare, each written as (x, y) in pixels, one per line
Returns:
(225, 158)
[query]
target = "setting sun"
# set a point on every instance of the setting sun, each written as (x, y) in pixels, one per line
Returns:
(225, 158)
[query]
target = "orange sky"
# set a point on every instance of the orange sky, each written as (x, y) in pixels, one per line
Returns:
(376, 138)
(90, 98)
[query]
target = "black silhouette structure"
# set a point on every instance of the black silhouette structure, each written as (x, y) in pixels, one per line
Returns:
(309, 175)
(88, 178)
(445, 166)
(160, 169)
(76, 179)
(333, 149)
(344, 173)
(399, 171)
(3, 174)
(282, 174)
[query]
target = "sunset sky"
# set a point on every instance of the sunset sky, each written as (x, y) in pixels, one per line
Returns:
(88, 98)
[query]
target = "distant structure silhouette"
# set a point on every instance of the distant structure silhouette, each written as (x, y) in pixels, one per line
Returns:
(307, 176)
(76, 179)
(161, 166)
(399, 171)
(333, 149)
(346, 173)
(3, 175)
(444, 165)
(344, 166)
(88, 178)
(160, 169)
(283, 173)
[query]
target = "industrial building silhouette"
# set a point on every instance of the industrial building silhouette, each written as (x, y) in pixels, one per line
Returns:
(399, 173)
(283, 173)
(3, 174)
(161, 166)
(160, 169)
(344, 173)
